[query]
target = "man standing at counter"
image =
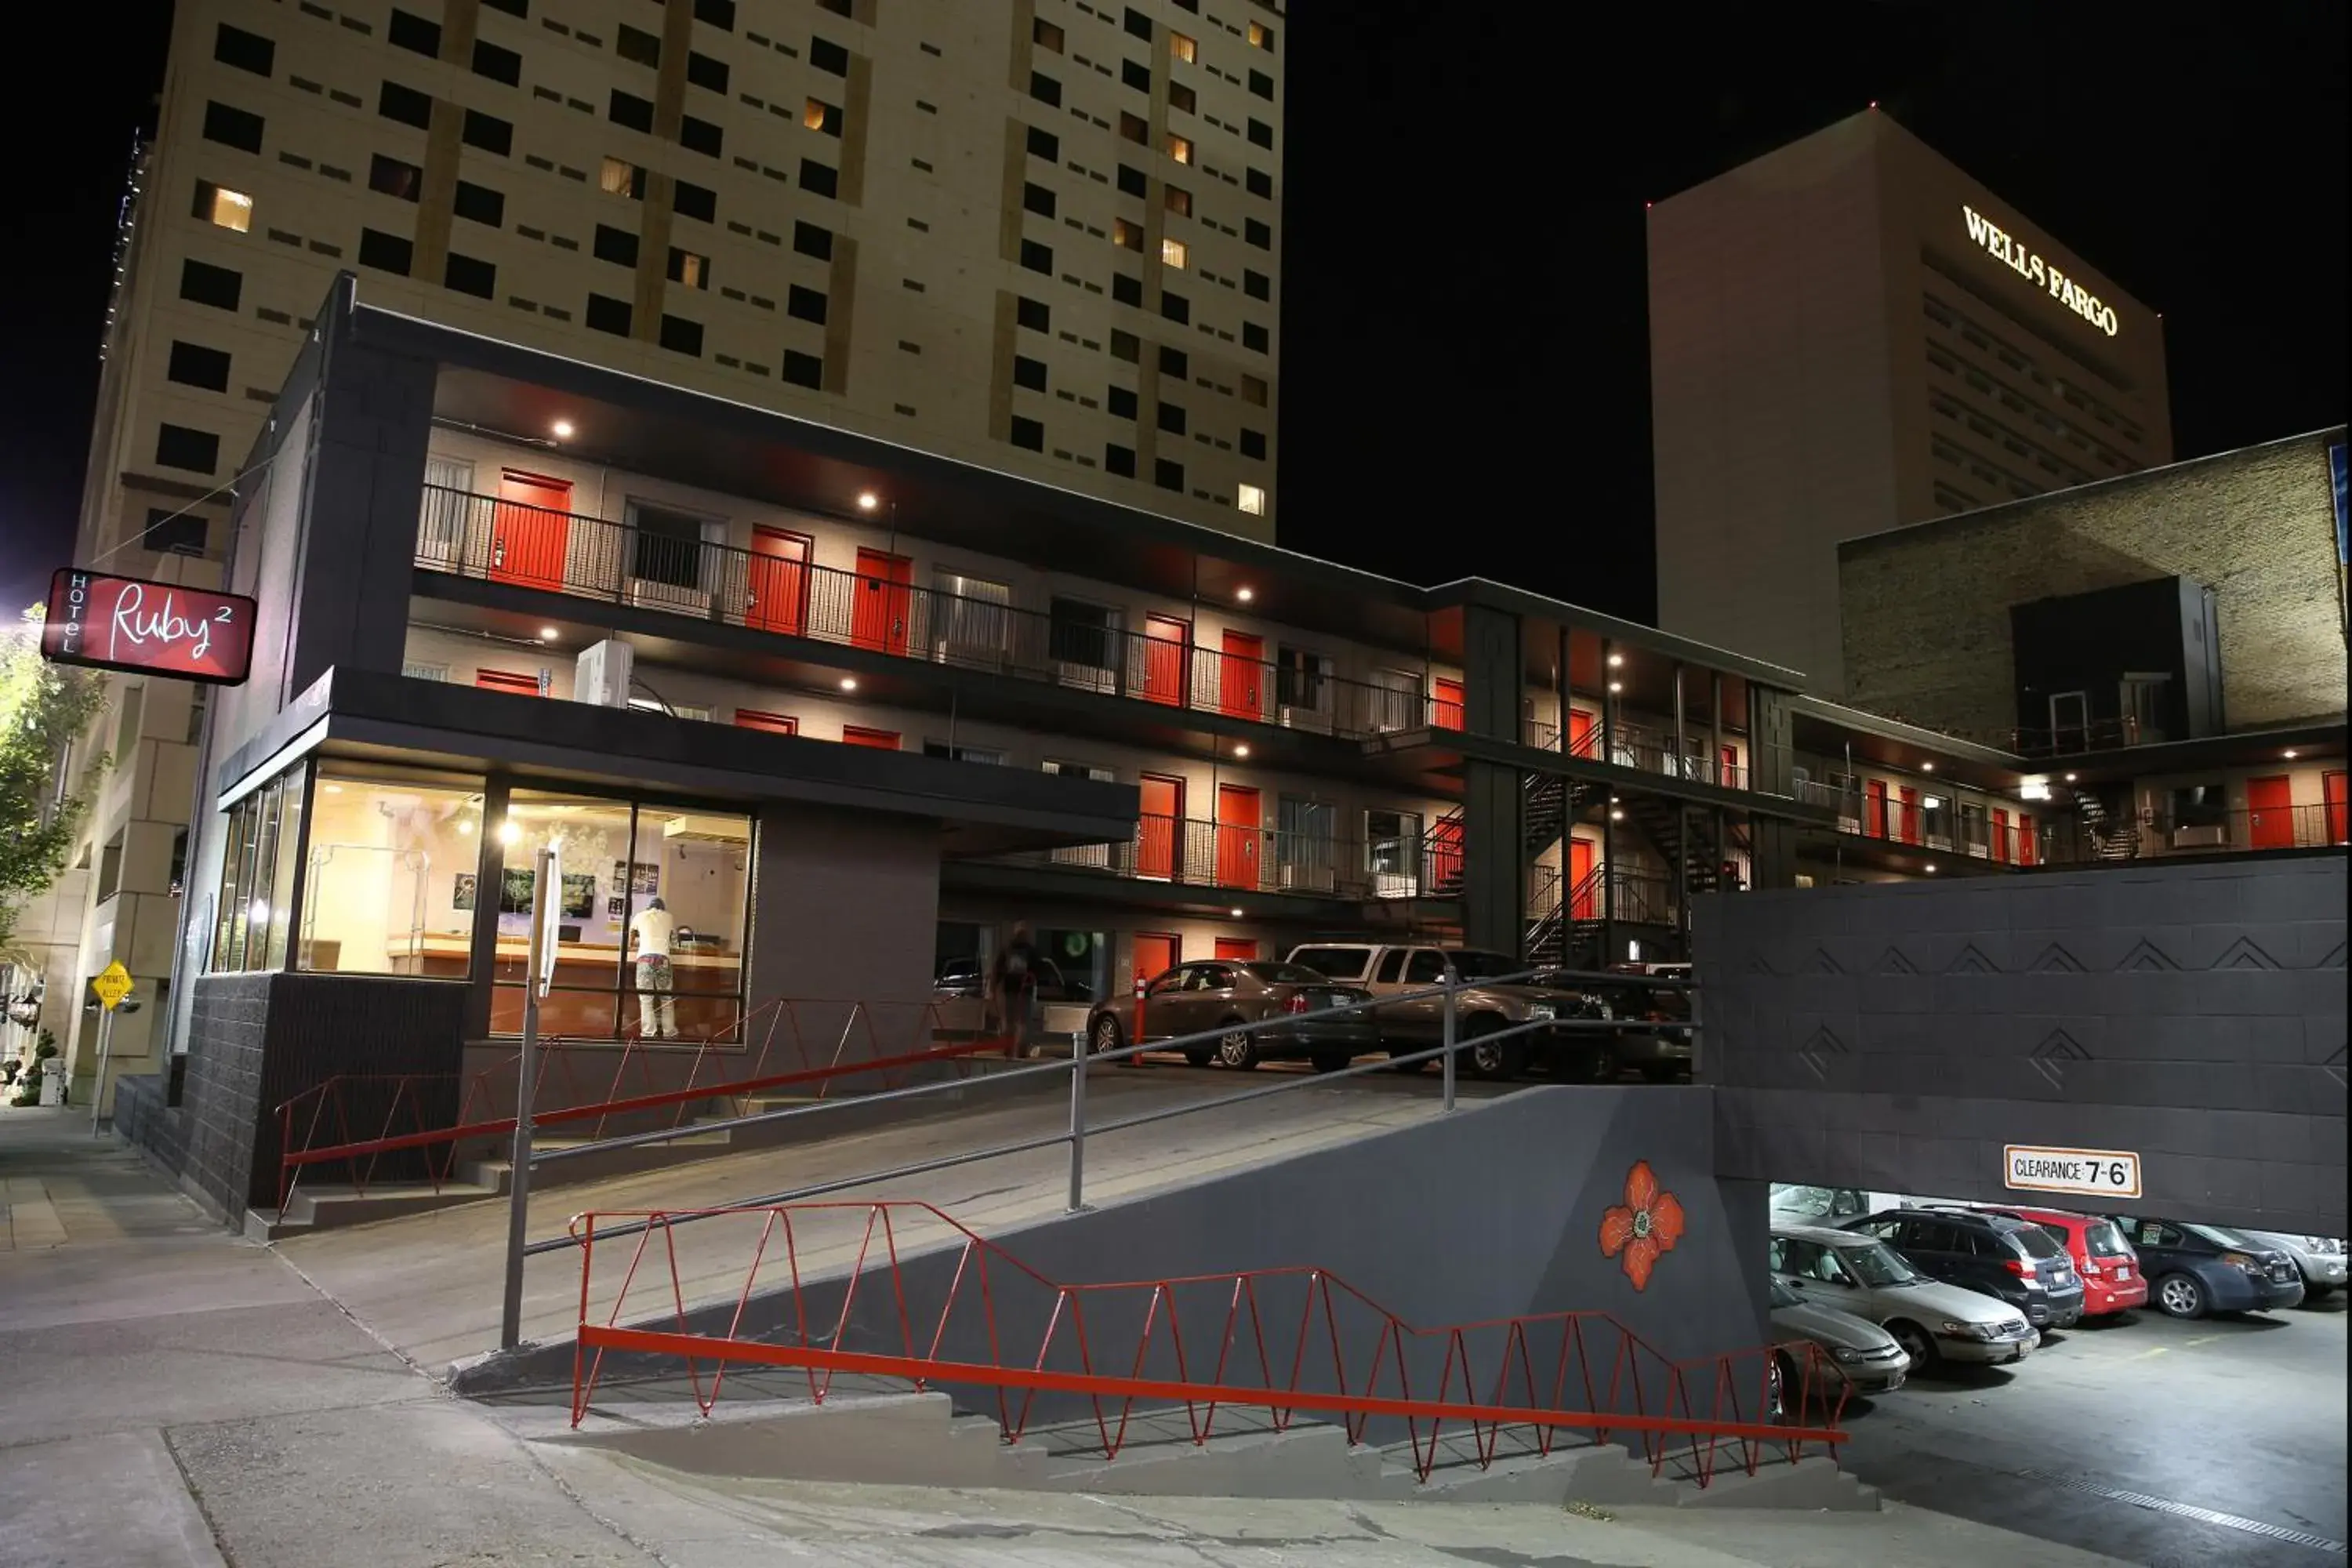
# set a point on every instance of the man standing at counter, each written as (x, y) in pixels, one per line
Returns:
(654, 935)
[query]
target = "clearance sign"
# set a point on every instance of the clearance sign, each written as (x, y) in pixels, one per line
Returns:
(149, 628)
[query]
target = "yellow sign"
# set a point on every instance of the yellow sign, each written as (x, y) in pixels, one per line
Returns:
(112, 985)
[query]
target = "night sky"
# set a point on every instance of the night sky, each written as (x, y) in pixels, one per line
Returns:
(1464, 343)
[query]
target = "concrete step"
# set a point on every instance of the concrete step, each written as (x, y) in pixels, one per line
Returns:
(325, 1207)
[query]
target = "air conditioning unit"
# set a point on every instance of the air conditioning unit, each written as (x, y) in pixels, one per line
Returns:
(1310, 718)
(649, 594)
(601, 675)
(1298, 878)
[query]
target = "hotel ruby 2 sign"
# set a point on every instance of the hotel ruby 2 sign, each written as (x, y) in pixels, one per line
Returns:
(151, 628)
(2006, 247)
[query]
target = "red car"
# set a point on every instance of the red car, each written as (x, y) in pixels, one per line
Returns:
(2112, 1280)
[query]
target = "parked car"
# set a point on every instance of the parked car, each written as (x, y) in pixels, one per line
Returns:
(1867, 1357)
(1663, 1051)
(967, 977)
(1484, 1005)
(2321, 1259)
(2113, 1279)
(1931, 1321)
(2194, 1270)
(1834, 1206)
(1993, 1254)
(1213, 994)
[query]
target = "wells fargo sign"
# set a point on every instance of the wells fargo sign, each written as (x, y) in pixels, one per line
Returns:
(2006, 247)
(153, 628)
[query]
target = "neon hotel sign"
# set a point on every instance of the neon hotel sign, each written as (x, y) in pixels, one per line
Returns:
(2007, 248)
(154, 628)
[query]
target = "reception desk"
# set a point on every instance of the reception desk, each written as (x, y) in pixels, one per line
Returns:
(582, 1001)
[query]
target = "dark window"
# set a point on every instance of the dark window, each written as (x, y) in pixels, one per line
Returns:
(1034, 314)
(820, 178)
(1257, 285)
(617, 246)
(693, 201)
(407, 31)
(699, 136)
(705, 72)
(497, 64)
(1120, 460)
(1181, 97)
(1045, 145)
(828, 55)
(1168, 474)
(406, 105)
(1254, 336)
(1131, 182)
(1175, 307)
(719, 14)
(384, 252)
(1029, 434)
(173, 533)
(489, 132)
(1135, 75)
(511, 7)
(177, 446)
(1133, 128)
(1261, 134)
(1138, 24)
(1261, 86)
(192, 364)
(1045, 35)
(204, 284)
(233, 127)
(1029, 373)
(1179, 200)
(609, 315)
(1260, 183)
(1172, 418)
(1044, 88)
(479, 203)
(1125, 290)
(811, 240)
(395, 178)
(1252, 443)
(627, 108)
(681, 336)
(636, 44)
(1173, 362)
(246, 51)
(1037, 257)
(804, 370)
(471, 275)
(1037, 199)
(1122, 403)
(1258, 234)
(1254, 391)
(806, 304)
(664, 546)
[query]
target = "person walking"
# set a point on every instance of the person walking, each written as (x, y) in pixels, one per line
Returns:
(1014, 977)
(654, 936)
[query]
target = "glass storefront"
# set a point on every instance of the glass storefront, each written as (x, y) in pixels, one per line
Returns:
(390, 872)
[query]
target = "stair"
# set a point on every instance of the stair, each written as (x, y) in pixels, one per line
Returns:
(1657, 817)
(2112, 837)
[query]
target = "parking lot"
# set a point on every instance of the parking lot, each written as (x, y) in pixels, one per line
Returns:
(2151, 1439)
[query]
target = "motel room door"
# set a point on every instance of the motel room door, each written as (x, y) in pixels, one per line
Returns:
(530, 529)
(1160, 828)
(2270, 813)
(1241, 677)
(878, 620)
(777, 595)
(1584, 900)
(1165, 642)
(1238, 815)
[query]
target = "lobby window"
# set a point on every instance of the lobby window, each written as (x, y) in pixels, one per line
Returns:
(622, 179)
(1251, 500)
(1173, 253)
(223, 208)
(1182, 48)
(392, 865)
(264, 845)
(819, 115)
(1180, 148)
(1045, 35)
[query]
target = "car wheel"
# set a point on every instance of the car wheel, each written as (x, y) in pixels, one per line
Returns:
(1104, 1038)
(1485, 1058)
(2180, 1296)
(1916, 1342)
(1236, 1048)
(2316, 1292)
(1330, 1061)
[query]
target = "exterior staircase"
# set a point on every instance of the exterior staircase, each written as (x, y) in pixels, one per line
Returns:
(2111, 837)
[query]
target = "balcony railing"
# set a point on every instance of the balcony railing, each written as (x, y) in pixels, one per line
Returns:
(1188, 852)
(883, 611)
(2060, 838)
(1640, 895)
(1638, 746)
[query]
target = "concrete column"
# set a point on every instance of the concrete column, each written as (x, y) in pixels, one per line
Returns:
(1773, 856)
(843, 908)
(1493, 680)
(1494, 900)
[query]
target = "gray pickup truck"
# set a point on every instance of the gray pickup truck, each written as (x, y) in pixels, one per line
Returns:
(1482, 1008)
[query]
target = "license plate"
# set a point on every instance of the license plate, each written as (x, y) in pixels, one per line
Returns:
(2123, 1273)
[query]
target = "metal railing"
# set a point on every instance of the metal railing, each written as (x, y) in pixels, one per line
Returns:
(1191, 852)
(1085, 649)
(1640, 746)
(2067, 839)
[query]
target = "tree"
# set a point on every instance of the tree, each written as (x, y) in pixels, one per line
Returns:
(44, 710)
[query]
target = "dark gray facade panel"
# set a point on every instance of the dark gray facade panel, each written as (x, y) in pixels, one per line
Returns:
(1897, 1037)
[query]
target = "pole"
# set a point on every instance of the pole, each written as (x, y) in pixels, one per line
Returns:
(1079, 1062)
(105, 1041)
(519, 1182)
(1450, 1036)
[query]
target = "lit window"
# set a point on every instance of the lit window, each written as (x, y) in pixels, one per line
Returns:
(622, 179)
(1125, 234)
(1253, 500)
(1173, 253)
(1180, 149)
(687, 268)
(1261, 36)
(220, 205)
(1182, 48)
(1179, 201)
(819, 115)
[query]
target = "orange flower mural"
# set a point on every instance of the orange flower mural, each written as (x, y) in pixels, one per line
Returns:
(1650, 1223)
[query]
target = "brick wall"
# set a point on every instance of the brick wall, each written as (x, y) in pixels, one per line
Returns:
(1926, 630)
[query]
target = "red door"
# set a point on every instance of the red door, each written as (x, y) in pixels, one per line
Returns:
(1910, 815)
(1159, 828)
(1165, 640)
(1583, 730)
(2270, 813)
(2000, 835)
(1237, 837)
(2025, 850)
(1237, 949)
(1241, 677)
(1444, 856)
(1584, 900)
(531, 528)
(772, 723)
(1731, 767)
(1445, 711)
(879, 618)
(874, 740)
(776, 597)
(2332, 792)
(1156, 952)
(508, 680)
(1873, 816)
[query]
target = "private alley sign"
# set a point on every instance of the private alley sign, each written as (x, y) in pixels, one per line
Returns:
(148, 628)
(2007, 248)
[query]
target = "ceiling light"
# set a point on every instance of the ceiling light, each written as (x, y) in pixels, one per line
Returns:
(1242, 749)
(2290, 753)
(1616, 816)
(849, 683)
(1235, 914)
(867, 500)
(1926, 767)
(1245, 594)
(334, 789)
(1931, 867)
(465, 825)
(1616, 661)
(549, 634)
(1615, 686)
(561, 429)
(2070, 778)
(509, 832)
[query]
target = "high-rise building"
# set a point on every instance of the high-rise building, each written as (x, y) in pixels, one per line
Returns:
(1032, 235)
(1850, 334)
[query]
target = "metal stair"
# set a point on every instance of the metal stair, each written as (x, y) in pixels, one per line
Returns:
(2111, 837)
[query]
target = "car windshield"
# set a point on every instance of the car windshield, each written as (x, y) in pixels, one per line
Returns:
(2223, 1235)
(1472, 964)
(1784, 1297)
(1878, 1265)
(2038, 1242)
(1337, 963)
(1287, 975)
(2105, 1240)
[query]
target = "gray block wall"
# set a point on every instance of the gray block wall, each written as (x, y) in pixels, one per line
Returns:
(1896, 1037)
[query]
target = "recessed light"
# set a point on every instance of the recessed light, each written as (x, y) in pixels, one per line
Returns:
(509, 832)
(849, 683)
(549, 634)
(2290, 753)
(334, 789)
(1926, 767)
(1615, 815)
(1235, 914)
(561, 429)
(1242, 749)
(2070, 778)
(1931, 867)
(1616, 661)
(1616, 686)
(1245, 594)
(867, 500)
(465, 825)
